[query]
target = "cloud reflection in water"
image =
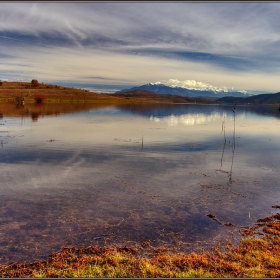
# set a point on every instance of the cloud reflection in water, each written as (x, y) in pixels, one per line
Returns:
(96, 178)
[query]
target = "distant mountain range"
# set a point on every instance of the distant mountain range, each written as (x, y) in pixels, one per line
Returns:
(268, 98)
(180, 91)
(159, 97)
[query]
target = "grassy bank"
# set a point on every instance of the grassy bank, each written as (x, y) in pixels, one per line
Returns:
(23, 92)
(254, 257)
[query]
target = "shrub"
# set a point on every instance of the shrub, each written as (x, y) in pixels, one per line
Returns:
(39, 98)
(34, 83)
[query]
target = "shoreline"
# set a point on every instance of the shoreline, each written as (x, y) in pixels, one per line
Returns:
(253, 257)
(22, 93)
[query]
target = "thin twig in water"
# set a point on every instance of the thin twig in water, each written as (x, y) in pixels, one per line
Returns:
(233, 144)
(223, 130)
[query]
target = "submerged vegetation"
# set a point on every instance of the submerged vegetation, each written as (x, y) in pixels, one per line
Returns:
(254, 257)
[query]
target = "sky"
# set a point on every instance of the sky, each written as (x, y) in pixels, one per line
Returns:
(110, 46)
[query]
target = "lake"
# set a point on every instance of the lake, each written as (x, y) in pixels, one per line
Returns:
(82, 175)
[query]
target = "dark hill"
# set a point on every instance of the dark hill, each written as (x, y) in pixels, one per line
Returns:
(270, 98)
(160, 97)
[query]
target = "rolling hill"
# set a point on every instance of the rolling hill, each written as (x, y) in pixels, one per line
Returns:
(270, 98)
(139, 93)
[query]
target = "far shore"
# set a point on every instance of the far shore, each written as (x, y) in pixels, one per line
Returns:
(23, 92)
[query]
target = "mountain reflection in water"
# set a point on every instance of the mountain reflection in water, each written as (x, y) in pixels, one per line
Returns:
(132, 173)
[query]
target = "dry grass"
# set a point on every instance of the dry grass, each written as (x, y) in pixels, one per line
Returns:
(18, 91)
(254, 257)
(11, 91)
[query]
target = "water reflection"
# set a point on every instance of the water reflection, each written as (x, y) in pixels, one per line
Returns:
(115, 172)
(163, 110)
(174, 114)
(39, 110)
(188, 119)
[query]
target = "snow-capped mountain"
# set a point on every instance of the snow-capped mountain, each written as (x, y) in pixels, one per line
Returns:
(188, 88)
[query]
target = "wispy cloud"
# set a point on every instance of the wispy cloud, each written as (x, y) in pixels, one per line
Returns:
(226, 44)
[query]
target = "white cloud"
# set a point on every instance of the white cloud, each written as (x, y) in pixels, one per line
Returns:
(69, 41)
(73, 65)
(213, 27)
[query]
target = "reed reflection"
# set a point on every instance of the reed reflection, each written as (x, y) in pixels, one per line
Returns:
(232, 144)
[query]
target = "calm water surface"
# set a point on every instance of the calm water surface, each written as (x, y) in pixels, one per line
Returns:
(79, 175)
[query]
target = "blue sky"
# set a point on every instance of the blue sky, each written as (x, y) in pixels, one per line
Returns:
(118, 45)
